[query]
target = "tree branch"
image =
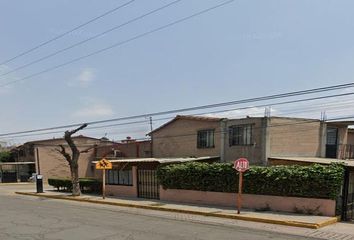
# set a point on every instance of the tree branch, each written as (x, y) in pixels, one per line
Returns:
(72, 145)
(64, 153)
(77, 129)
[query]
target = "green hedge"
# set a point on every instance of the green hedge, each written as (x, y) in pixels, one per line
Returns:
(86, 184)
(315, 181)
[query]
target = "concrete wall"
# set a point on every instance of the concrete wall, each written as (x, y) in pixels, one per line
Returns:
(179, 139)
(323, 207)
(254, 153)
(295, 137)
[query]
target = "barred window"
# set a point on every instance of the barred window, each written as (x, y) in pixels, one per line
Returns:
(240, 135)
(119, 177)
(205, 138)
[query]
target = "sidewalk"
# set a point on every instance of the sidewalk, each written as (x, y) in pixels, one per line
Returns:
(288, 219)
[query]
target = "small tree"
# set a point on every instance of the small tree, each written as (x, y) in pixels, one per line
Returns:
(6, 156)
(73, 158)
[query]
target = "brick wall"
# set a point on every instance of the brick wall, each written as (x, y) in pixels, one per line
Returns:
(295, 137)
(253, 152)
(179, 139)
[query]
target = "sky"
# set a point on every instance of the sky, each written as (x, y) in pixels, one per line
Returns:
(248, 48)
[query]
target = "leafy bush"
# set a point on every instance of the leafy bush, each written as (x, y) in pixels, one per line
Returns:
(315, 181)
(6, 156)
(86, 184)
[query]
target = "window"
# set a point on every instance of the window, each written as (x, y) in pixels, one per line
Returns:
(117, 153)
(332, 134)
(22, 153)
(119, 177)
(240, 135)
(205, 138)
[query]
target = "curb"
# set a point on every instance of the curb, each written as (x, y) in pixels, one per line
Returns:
(16, 183)
(208, 214)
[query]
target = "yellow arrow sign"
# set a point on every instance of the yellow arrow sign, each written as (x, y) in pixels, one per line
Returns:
(103, 164)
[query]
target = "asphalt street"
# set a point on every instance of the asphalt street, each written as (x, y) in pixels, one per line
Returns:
(39, 218)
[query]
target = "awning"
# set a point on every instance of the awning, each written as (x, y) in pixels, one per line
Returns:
(161, 160)
(349, 163)
(341, 123)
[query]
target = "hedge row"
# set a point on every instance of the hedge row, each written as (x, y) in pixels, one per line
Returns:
(316, 181)
(86, 184)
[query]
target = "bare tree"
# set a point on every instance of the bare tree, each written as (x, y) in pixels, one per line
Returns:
(73, 158)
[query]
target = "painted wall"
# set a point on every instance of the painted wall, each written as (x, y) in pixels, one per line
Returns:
(315, 206)
(179, 139)
(141, 149)
(124, 191)
(294, 137)
(254, 153)
(351, 137)
(53, 165)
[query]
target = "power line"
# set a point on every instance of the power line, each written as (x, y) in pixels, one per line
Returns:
(169, 118)
(89, 128)
(67, 32)
(279, 103)
(119, 43)
(249, 100)
(91, 38)
(289, 123)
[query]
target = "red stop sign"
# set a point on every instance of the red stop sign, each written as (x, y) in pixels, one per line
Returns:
(241, 164)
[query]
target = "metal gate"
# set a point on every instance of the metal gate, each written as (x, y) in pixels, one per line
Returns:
(148, 186)
(9, 177)
(348, 196)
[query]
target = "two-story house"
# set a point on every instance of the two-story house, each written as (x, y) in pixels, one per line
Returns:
(256, 138)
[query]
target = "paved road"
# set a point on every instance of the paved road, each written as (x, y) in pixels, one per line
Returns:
(23, 217)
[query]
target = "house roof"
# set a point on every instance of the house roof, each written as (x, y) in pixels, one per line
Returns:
(161, 160)
(56, 139)
(187, 117)
(341, 123)
(349, 163)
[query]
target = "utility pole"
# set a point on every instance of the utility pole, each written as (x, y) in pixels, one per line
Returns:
(151, 141)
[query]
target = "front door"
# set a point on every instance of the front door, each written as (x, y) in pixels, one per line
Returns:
(331, 144)
(148, 186)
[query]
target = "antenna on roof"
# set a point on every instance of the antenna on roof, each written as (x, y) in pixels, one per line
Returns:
(323, 116)
(267, 111)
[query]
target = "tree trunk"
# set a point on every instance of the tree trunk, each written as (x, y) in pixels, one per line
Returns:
(74, 169)
(73, 159)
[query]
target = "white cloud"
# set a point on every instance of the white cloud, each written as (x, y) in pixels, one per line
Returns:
(94, 110)
(252, 112)
(86, 76)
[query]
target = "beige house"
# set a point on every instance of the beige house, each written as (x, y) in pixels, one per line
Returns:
(256, 138)
(129, 148)
(51, 164)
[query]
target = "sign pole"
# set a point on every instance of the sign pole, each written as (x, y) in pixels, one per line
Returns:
(103, 165)
(239, 194)
(241, 165)
(104, 184)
